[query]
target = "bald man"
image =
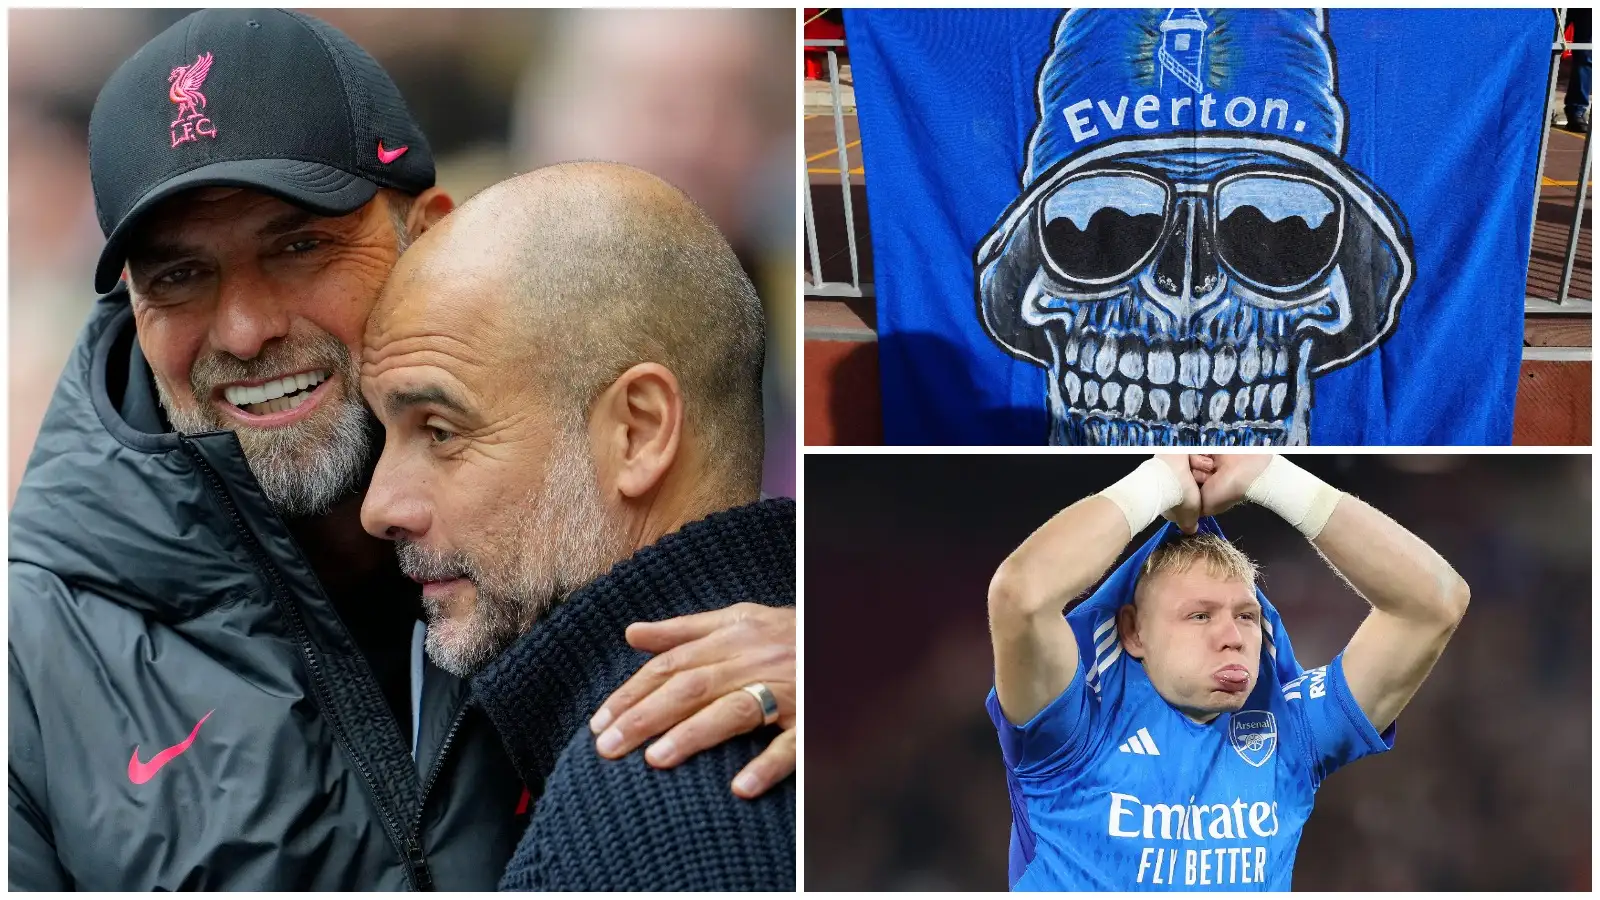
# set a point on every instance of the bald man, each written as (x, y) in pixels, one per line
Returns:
(568, 372)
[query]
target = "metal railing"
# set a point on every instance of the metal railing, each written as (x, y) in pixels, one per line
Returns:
(815, 286)
(1562, 301)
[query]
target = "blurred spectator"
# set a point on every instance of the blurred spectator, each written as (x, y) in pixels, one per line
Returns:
(697, 97)
(1577, 97)
(705, 99)
(720, 110)
(1488, 787)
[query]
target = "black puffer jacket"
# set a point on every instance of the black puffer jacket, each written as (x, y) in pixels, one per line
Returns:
(153, 587)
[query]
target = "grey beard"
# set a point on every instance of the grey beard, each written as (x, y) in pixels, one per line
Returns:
(559, 538)
(303, 469)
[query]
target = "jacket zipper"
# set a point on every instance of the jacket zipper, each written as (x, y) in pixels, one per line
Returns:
(438, 761)
(427, 786)
(416, 864)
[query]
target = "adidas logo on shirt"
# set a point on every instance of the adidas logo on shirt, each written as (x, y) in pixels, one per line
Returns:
(1141, 744)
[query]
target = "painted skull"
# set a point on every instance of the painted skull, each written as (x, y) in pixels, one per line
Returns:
(1188, 288)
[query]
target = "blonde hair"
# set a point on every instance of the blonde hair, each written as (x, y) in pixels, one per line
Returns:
(1221, 558)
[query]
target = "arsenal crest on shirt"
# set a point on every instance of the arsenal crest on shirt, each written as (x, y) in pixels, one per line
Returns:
(1254, 734)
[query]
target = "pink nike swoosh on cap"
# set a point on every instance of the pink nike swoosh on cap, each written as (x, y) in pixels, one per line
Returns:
(389, 156)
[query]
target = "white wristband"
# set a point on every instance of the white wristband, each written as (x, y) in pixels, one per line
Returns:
(1301, 498)
(1145, 493)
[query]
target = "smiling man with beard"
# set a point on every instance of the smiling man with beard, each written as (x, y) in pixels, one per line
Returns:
(217, 680)
(568, 371)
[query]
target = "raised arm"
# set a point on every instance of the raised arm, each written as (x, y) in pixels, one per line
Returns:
(1035, 653)
(1417, 598)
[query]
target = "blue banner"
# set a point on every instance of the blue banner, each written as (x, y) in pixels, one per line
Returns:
(1230, 226)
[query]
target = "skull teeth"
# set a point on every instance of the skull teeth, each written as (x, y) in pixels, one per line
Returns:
(1160, 402)
(1099, 430)
(1105, 362)
(1227, 360)
(1126, 358)
(1189, 405)
(1162, 367)
(1198, 395)
(1132, 400)
(1262, 403)
(1249, 362)
(1218, 407)
(1193, 367)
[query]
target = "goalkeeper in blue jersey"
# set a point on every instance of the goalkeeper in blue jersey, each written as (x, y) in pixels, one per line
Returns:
(1161, 735)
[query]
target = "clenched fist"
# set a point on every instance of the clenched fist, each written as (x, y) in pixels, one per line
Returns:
(1186, 515)
(1224, 477)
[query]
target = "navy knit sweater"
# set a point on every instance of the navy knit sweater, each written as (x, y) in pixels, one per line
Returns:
(603, 824)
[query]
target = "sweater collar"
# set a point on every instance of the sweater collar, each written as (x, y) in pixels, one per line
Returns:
(548, 683)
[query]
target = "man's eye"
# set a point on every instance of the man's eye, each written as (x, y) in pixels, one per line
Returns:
(302, 246)
(1199, 616)
(439, 435)
(174, 277)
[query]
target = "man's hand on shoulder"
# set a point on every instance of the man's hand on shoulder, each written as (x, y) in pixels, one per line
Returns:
(693, 694)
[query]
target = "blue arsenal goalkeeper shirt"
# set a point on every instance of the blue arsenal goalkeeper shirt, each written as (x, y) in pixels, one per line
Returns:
(1114, 789)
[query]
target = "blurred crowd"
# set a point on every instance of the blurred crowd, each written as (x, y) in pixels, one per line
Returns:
(702, 98)
(1488, 787)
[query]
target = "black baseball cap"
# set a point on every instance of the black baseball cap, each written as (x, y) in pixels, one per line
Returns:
(273, 100)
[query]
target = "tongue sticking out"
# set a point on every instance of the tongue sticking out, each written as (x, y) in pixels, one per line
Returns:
(1232, 680)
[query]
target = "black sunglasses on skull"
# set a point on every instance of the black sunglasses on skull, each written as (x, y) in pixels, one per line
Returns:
(1274, 230)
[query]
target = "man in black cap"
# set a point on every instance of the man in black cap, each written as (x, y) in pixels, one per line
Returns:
(190, 584)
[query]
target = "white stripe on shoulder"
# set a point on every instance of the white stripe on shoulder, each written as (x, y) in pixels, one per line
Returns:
(1101, 628)
(1100, 648)
(1106, 663)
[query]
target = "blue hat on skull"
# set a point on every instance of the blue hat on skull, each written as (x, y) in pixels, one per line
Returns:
(1150, 73)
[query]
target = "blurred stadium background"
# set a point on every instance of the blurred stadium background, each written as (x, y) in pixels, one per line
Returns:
(702, 98)
(1488, 787)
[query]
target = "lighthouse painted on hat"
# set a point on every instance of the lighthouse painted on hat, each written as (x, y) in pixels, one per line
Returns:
(1183, 44)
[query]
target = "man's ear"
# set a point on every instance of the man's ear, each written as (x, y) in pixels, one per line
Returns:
(637, 428)
(1128, 631)
(427, 209)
